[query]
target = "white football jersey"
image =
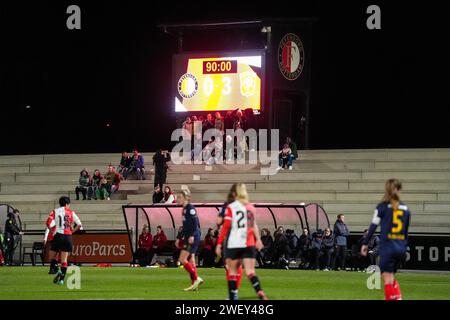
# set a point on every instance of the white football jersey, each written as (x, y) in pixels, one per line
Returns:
(242, 219)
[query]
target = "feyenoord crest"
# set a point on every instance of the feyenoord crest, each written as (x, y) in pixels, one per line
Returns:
(187, 85)
(248, 83)
(291, 55)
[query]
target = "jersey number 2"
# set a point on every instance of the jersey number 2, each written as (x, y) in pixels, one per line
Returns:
(397, 222)
(241, 216)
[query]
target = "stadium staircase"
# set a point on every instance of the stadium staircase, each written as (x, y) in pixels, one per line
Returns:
(342, 181)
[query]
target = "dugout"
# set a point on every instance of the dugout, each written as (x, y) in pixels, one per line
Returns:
(270, 216)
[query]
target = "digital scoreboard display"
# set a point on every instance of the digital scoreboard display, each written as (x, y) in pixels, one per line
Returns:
(218, 81)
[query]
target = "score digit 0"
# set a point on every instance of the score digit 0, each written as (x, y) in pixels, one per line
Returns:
(208, 85)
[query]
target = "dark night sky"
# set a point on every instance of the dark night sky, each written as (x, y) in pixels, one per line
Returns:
(384, 88)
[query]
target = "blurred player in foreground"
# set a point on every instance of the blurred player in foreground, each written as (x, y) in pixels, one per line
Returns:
(191, 239)
(63, 219)
(240, 234)
(394, 217)
(220, 218)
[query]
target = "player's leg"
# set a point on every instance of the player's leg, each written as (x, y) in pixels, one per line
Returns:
(184, 261)
(59, 279)
(232, 267)
(388, 268)
(53, 262)
(249, 265)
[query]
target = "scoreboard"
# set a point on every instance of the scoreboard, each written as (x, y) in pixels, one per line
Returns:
(218, 81)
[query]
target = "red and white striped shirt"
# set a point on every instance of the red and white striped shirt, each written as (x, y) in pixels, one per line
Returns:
(238, 226)
(63, 219)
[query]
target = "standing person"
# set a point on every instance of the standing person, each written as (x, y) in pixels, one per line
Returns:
(341, 233)
(12, 230)
(160, 160)
(191, 239)
(63, 219)
(394, 217)
(240, 236)
(219, 123)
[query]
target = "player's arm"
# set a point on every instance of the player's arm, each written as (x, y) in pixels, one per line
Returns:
(77, 222)
(226, 226)
(51, 220)
(373, 226)
(259, 244)
(47, 231)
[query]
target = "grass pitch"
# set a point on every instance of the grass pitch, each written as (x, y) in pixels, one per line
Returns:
(167, 283)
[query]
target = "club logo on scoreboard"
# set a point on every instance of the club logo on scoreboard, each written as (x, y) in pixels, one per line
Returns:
(187, 85)
(291, 55)
(248, 83)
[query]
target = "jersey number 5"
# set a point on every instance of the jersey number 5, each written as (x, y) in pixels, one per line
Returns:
(241, 216)
(397, 222)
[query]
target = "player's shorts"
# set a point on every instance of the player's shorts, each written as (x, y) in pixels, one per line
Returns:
(192, 248)
(240, 253)
(390, 260)
(62, 242)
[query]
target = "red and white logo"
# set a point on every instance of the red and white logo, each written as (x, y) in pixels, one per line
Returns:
(291, 55)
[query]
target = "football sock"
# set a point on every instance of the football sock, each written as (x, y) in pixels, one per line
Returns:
(63, 270)
(239, 277)
(255, 282)
(232, 288)
(389, 293)
(188, 267)
(397, 291)
(54, 265)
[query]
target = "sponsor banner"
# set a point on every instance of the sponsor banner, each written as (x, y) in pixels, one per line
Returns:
(425, 251)
(101, 248)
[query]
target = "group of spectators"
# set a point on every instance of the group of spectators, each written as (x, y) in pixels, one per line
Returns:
(233, 120)
(150, 245)
(166, 196)
(98, 186)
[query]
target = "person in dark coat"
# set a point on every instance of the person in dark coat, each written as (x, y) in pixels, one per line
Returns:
(265, 254)
(341, 233)
(316, 249)
(304, 246)
(12, 230)
(160, 160)
(157, 194)
(327, 248)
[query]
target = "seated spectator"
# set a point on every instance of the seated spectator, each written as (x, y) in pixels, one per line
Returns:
(285, 157)
(280, 248)
(136, 165)
(159, 240)
(83, 184)
(208, 252)
(292, 240)
(304, 246)
(102, 190)
(95, 184)
(294, 150)
(264, 256)
(372, 254)
(327, 249)
(157, 194)
(316, 249)
(145, 247)
(169, 196)
(113, 178)
(125, 162)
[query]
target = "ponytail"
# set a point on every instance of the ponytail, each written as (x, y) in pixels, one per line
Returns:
(392, 192)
